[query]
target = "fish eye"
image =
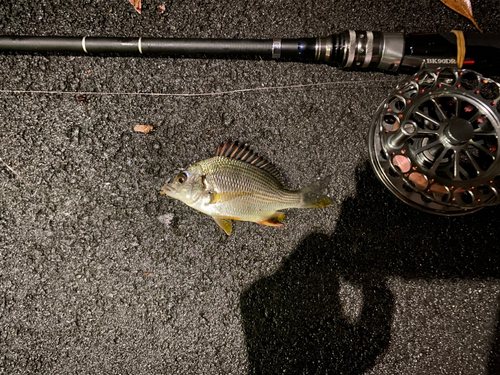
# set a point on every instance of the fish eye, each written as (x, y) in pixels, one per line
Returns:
(181, 177)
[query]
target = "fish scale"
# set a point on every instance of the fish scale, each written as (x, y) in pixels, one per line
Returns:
(226, 175)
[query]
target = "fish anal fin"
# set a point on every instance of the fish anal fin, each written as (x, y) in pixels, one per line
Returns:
(224, 223)
(275, 220)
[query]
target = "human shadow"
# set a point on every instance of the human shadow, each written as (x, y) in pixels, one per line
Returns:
(494, 356)
(293, 319)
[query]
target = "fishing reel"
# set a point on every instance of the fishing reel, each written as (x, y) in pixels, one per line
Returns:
(434, 141)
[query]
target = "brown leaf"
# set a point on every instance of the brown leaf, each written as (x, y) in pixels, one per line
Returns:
(137, 5)
(462, 7)
(82, 99)
(162, 8)
(143, 128)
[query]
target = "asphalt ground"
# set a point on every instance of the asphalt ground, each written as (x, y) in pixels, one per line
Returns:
(99, 274)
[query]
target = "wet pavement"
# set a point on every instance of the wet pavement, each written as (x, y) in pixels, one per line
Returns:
(101, 274)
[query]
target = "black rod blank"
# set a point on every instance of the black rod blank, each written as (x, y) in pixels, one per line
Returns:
(165, 46)
(350, 49)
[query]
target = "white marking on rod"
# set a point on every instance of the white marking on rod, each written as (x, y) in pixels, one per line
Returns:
(369, 49)
(351, 49)
(276, 50)
(140, 45)
(83, 45)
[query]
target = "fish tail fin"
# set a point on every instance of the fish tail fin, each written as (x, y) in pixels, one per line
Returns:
(313, 197)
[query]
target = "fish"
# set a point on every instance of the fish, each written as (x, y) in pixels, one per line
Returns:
(238, 184)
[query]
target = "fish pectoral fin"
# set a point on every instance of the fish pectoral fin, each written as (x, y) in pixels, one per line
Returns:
(225, 223)
(275, 220)
(224, 197)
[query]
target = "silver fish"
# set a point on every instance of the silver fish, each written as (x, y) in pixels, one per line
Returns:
(238, 184)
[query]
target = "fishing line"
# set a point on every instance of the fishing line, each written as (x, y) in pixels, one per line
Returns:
(10, 168)
(214, 93)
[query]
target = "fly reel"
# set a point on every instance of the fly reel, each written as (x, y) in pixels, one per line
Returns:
(434, 141)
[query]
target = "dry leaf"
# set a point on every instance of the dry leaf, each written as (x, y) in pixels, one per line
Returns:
(462, 7)
(82, 99)
(143, 128)
(137, 5)
(162, 8)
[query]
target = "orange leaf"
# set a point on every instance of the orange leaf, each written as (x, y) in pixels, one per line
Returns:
(137, 5)
(143, 128)
(462, 7)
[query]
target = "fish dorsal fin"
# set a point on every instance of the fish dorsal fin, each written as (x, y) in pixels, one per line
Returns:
(235, 150)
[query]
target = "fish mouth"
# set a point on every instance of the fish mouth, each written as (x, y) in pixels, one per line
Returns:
(166, 189)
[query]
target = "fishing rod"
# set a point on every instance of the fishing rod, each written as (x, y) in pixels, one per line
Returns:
(387, 51)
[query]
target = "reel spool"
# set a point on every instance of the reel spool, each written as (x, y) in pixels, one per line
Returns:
(435, 141)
